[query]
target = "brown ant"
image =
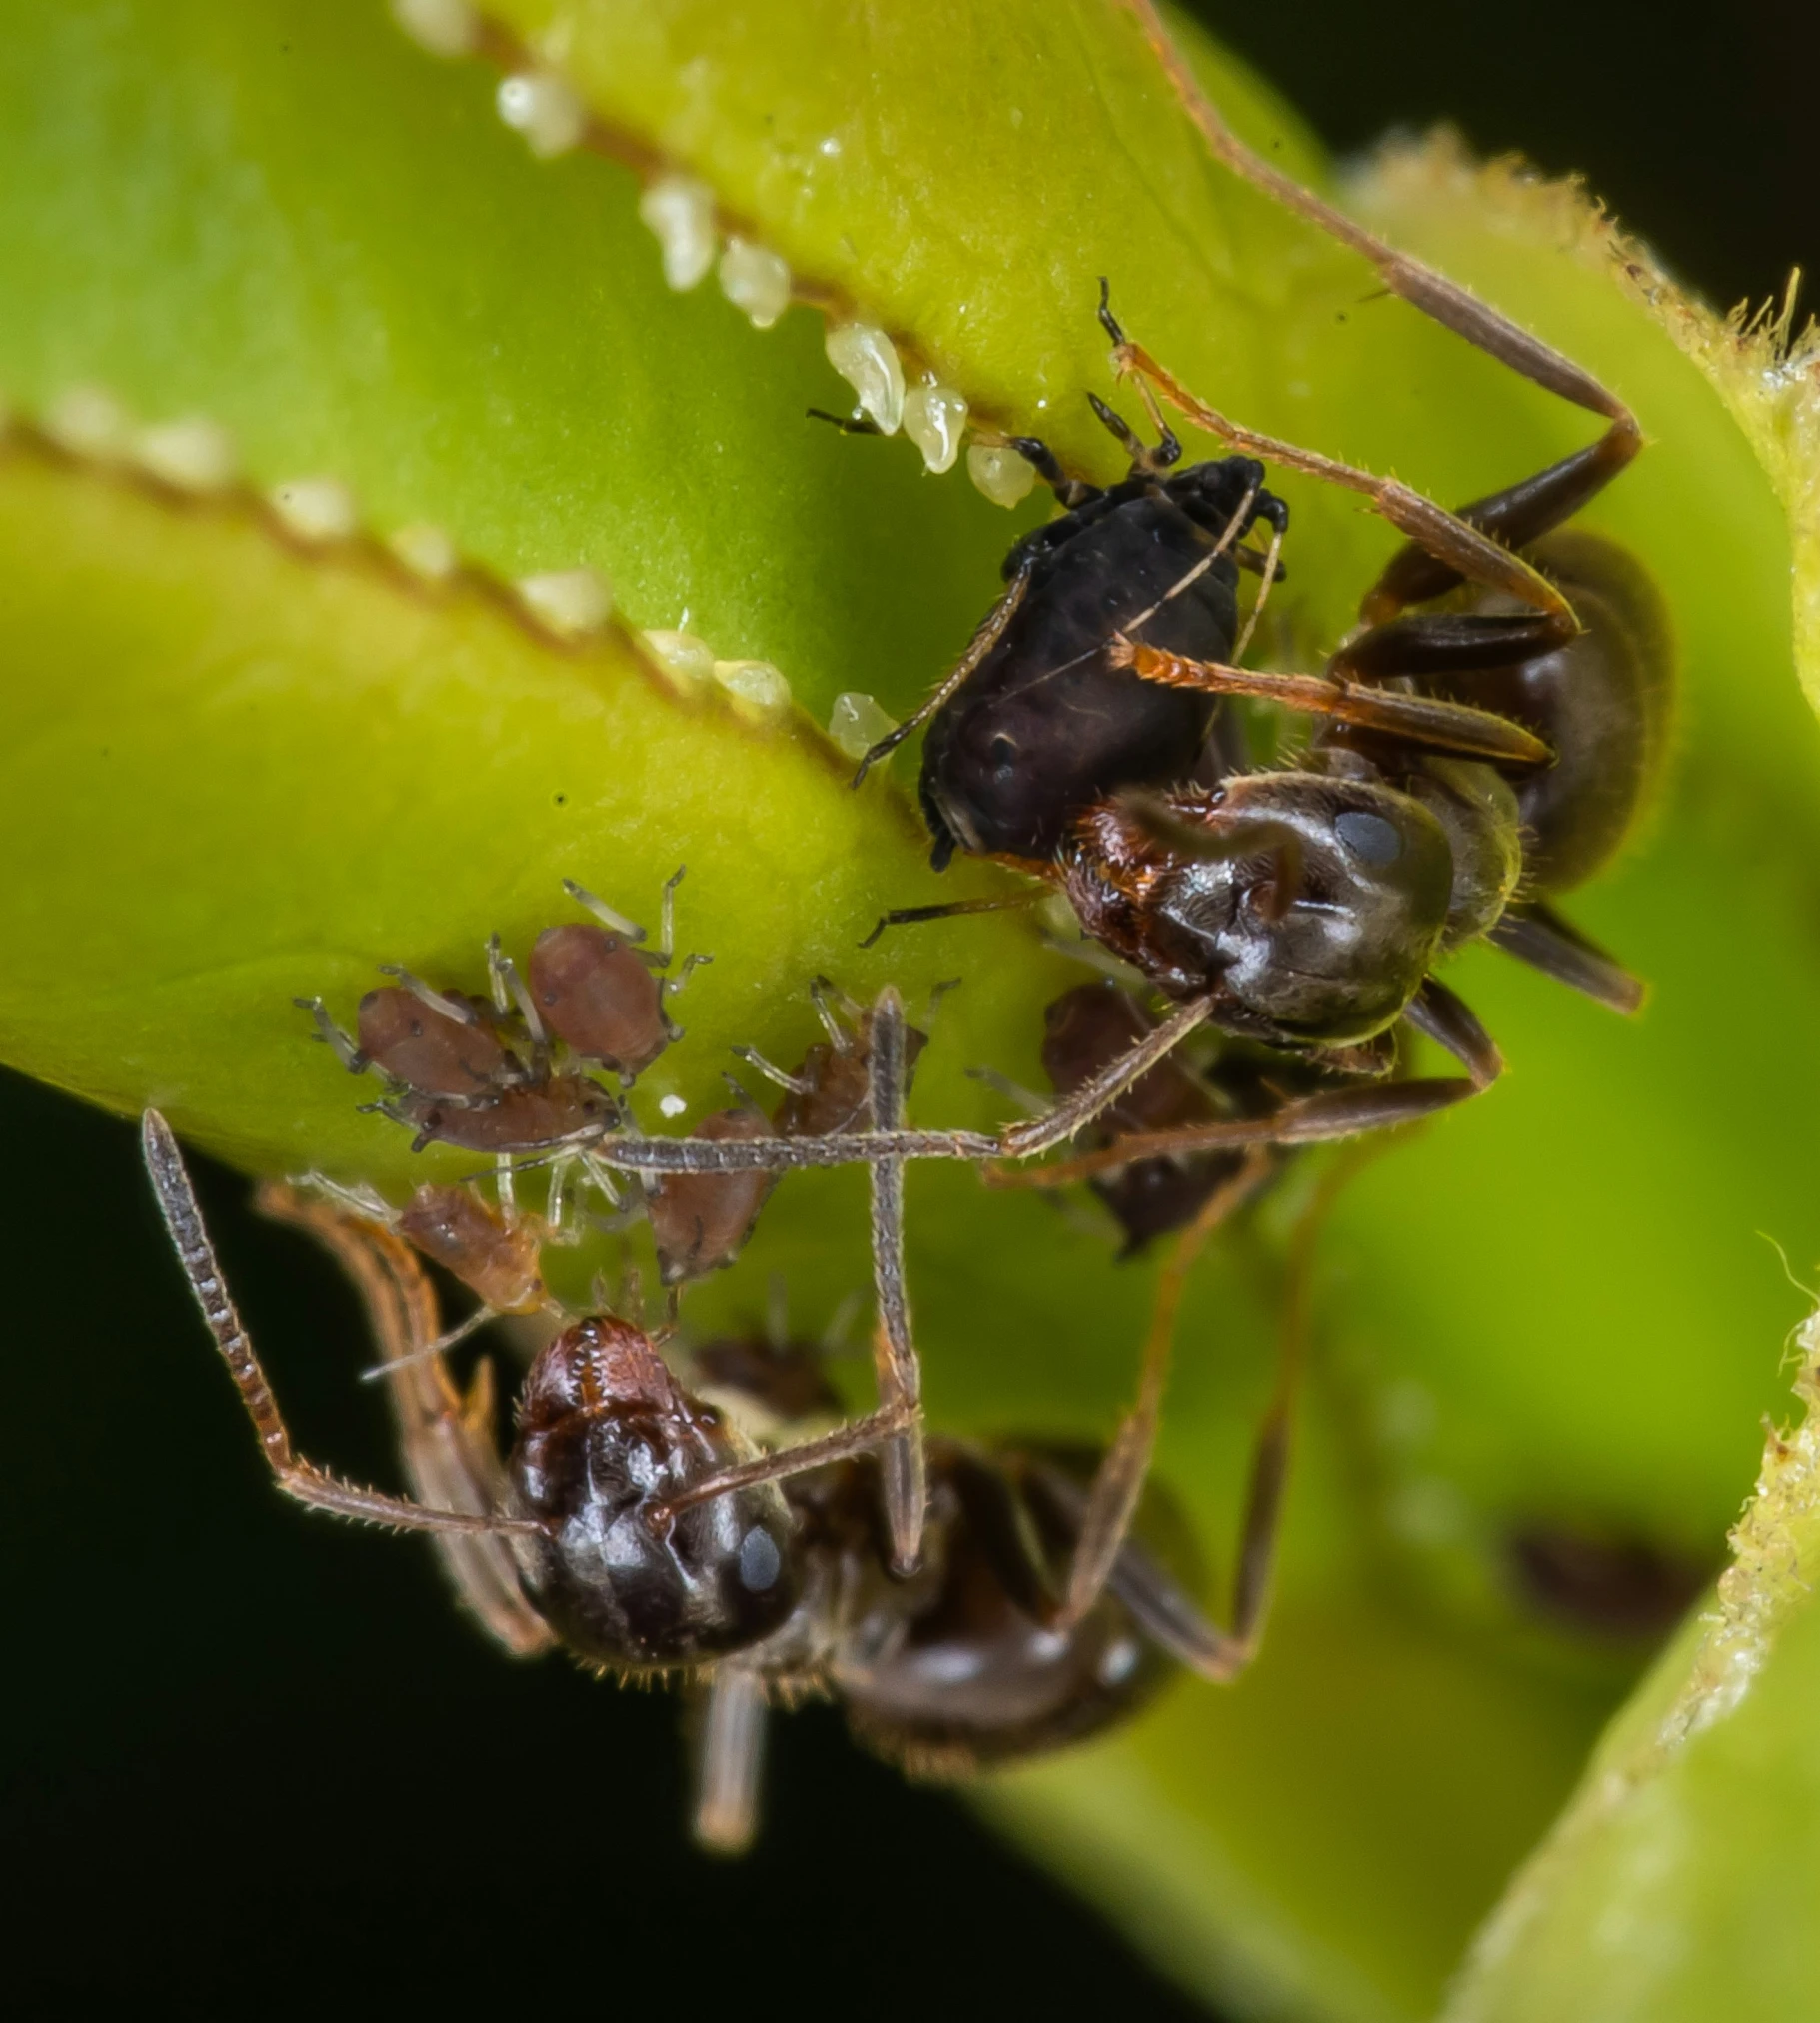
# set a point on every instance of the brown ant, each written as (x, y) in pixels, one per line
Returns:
(1472, 759)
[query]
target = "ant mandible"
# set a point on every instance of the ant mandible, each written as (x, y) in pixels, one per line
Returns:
(1472, 759)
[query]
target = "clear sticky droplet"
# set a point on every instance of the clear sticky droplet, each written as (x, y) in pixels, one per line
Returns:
(679, 212)
(688, 660)
(754, 279)
(314, 509)
(934, 418)
(999, 473)
(672, 1105)
(443, 27)
(570, 604)
(868, 360)
(192, 454)
(543, 110)
(88, 421)
(856, 724)
(758, 687)
(425, 551)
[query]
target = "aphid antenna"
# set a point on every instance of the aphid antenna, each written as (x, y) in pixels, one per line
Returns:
(794, 1084)
(376, 1372)
(510, 994)
(602, 913)
(1027, 1100)
(839, 1012)
(427, 993)
(332, 1036)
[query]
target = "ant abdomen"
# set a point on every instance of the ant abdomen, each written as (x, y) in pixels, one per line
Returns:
(597, 996)
(606, 1436)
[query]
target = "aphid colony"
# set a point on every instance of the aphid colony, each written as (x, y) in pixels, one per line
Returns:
(1480, 744)
(964, 1603)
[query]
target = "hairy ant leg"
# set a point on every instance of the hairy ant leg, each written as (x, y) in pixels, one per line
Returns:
(296, 1476)
(447, 1440)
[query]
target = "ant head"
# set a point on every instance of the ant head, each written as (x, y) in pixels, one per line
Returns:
(605, 1436)
(1315, 903)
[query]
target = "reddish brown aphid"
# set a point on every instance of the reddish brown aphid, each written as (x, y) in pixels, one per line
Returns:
(831, 1092)
(530, 1117)
(601, 993)
(496, 1261)
(700, 1222)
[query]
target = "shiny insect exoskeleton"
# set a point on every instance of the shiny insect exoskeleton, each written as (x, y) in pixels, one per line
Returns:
(1485, 739)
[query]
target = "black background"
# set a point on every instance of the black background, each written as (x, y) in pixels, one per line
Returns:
(258, 1761)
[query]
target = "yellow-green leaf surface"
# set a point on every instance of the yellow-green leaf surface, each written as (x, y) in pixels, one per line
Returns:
(234, 768)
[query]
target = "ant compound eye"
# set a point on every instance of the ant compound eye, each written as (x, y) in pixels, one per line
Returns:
(760, 1561)
(1368, 838)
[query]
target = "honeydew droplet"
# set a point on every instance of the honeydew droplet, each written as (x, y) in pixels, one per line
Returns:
(999, 473)
(680, 211)
(570, 604)
(88, 421)
(754, 279)
(543, 110)
(314, 508)
(868, 360)
(443, 27)
(672, 1105)
(426, 551)
(855, 725)
(688, 660)
(192, 454)
(757, 687)
(935, 418)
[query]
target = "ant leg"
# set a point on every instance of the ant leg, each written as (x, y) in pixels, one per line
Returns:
(985, 637)
(1426, 721)
(729, 1755)
(1074, 1112)
(1333, 1115)
(1535, 933)
(1515, 516)
(1113, 1501)
(332, 1036)
(446, 1440)
(858, 1436)
(900, 1376)
(1445, 1018)
(947, 910)
(296, 1476)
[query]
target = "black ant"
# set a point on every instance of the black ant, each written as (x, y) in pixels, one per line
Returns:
(1472, 759)
(634, 1524)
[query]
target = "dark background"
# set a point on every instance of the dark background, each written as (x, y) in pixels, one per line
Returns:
(251, 1750)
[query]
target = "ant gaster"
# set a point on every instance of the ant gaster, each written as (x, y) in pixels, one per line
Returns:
(1476, 755)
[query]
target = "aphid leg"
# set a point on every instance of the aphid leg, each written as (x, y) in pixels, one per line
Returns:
(1515, 516)
(1144, 458)
(296, 1476)
(990, 629)
(1119, 1486)
(1324, 1118)
(728, 1751)
(899, 1374)
(332, 1036)
(608, 917)
(794, 1084)
(947, 910)
(836, 1336)
(1025, 1100)
(1535, 933)
(1428, 721)
(1240, 520)
(508, 993)
(446, 1439)
(841, 1013)
(427, 993)
(1269, 575)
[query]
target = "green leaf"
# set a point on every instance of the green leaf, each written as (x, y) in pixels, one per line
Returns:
(241, 769)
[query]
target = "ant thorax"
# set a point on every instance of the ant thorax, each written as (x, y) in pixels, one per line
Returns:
(604, 1436)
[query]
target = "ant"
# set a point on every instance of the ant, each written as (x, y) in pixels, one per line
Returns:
(1472, 758)
(634, 1524)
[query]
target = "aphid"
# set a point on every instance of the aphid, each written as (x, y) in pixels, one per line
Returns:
(600, 991)
(700, 1221)
(1474, 756)
(630, 1522)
